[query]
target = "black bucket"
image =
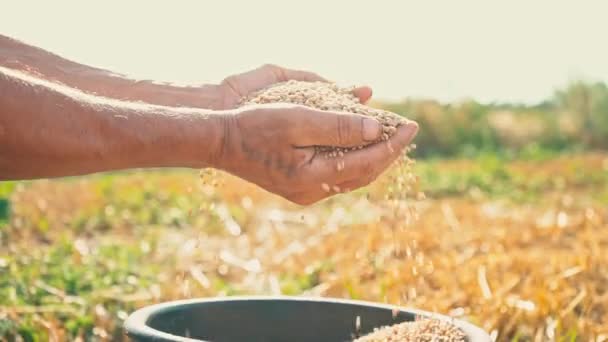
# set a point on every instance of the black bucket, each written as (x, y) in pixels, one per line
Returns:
(253, 319)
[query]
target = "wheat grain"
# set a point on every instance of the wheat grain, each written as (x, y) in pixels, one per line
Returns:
(420, 330)
(326, 96)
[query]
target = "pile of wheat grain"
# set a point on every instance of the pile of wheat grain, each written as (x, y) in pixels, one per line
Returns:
(329, 96)
(325, 96)
(421, 330)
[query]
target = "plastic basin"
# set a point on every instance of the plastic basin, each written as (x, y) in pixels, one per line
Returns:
(270, 319)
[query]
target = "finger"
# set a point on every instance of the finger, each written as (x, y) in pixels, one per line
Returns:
(312, 127)
(364, 93)
(356, 169)
(247, 82)
(300, 75)
(379, 163)
(362, 166)
(266, 75)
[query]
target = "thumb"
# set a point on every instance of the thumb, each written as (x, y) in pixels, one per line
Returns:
(325, 128)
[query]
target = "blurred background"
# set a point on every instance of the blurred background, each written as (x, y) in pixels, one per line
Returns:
(512, 101)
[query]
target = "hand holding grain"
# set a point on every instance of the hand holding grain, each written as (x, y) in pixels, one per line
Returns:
(52, 130)
(235, 87)
(273, 146)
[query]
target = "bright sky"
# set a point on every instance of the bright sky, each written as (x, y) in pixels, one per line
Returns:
(517, 50)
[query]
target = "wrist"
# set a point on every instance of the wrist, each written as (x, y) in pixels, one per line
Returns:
(207, 138)
(163, 137)
(193, 140)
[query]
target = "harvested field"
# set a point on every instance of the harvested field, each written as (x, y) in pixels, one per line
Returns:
(517, 247)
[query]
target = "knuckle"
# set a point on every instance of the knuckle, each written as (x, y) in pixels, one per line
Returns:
(344, 129)
(231, 83)
(351, 128)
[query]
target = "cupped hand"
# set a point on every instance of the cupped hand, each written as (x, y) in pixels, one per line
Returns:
(273, 147)
(235, 87)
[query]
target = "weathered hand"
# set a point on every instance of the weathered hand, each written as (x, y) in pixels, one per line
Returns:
(273, 147)
(270, 145)
(235, 87)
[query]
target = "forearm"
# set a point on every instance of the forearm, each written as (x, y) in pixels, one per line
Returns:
(43, 64)
(49, 130)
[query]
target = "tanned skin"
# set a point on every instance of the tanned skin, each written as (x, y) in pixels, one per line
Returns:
(60, 118)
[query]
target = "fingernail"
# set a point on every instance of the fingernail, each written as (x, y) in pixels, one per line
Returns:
(371, 129)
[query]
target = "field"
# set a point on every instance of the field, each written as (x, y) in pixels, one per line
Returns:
(517, 246)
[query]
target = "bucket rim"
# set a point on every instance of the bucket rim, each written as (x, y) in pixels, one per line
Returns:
(136, 325)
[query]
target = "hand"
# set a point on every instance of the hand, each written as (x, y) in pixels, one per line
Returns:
(238, 86)
(272, 146)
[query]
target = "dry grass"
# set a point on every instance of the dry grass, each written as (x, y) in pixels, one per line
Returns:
(535, 270)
